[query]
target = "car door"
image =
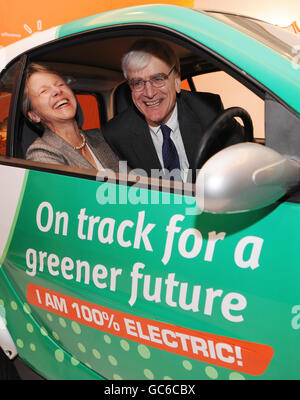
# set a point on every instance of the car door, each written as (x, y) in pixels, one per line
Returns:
(111, 276)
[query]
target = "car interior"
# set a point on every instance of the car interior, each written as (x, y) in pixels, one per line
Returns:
(91, 63)
(90, 72)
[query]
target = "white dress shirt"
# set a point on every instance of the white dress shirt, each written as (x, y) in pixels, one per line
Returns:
(175, 135)
(97, 162)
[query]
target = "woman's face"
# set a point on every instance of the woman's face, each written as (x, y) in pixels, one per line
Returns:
(53, 102)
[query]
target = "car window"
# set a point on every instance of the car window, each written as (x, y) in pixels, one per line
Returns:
(4, 106)
(185, 85)
(6, 88)
(101, 81)
(233, 93)
(89, 105)
(7, 85)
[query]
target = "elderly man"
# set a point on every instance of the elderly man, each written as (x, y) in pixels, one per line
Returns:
(161, 131)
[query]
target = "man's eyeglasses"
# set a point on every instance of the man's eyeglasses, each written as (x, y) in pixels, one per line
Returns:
(158, 81)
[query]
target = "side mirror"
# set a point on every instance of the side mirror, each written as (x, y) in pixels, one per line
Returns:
(243, 177)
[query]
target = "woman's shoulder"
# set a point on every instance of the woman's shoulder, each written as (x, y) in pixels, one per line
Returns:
(39, 143)
(95, 138)
(102, 149)
(44, 151)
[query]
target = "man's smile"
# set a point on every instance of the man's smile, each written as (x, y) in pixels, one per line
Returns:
(153, 103)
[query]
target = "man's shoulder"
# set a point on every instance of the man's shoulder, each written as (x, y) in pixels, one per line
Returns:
(195, 98)
(122, 122)
(121, 117)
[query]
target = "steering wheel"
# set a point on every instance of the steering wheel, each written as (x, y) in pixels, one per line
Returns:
(212, 134)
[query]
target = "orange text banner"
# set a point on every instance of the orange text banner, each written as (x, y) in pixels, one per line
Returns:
(247, 357)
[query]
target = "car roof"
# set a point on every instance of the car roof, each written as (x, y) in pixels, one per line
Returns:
(255, 59)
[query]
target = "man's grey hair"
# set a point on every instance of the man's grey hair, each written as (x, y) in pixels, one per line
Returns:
(138, 56)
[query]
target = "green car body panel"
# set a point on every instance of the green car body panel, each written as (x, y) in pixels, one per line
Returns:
(215, 291)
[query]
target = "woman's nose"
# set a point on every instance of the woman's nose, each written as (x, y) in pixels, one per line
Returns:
(55, 90)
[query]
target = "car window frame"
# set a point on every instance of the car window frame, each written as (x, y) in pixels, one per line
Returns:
(141, 29)
(13, 122)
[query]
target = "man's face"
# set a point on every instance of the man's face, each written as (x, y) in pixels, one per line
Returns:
(156, 104)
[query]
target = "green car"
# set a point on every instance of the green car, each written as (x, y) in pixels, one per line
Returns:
(106, 276)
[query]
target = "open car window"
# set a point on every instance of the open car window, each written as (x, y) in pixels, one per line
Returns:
(234, 93)
(90, 109)
(7, 83)
(97, 81)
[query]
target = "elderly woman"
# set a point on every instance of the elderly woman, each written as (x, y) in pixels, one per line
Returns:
(49, 100)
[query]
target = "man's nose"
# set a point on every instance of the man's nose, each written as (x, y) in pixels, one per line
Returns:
(149, 90)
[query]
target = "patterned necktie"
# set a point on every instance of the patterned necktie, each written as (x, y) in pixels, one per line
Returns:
(169, 152)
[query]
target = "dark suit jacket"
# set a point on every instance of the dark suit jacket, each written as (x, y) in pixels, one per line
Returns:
(128, 133)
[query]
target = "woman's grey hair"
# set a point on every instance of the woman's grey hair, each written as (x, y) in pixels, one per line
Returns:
(138, 56)
(32, 69)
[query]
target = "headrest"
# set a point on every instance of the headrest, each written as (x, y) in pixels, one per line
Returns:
(122, 98)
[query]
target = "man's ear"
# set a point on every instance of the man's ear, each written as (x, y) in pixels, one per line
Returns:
(178, 84)
(34, 116)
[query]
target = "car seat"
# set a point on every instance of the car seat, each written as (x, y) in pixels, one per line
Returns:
(122, 98)
(31, 131)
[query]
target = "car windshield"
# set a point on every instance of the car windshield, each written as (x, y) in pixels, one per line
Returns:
(280, 40)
